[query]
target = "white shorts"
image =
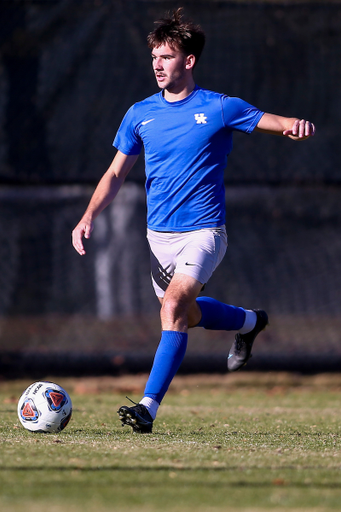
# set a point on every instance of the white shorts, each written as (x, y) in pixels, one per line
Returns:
(194, 253)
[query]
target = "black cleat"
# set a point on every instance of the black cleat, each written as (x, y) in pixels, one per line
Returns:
(240, 351)
(136, 417)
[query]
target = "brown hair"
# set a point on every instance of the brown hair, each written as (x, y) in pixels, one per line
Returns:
(178, 33)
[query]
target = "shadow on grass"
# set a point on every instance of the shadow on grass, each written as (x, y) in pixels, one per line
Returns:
(277, 482)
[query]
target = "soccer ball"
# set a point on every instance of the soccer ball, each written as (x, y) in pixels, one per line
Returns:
(44, 407)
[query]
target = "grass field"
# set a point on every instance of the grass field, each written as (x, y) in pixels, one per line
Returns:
(246, 442)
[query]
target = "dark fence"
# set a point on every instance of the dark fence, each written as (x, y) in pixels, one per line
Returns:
(68, 72)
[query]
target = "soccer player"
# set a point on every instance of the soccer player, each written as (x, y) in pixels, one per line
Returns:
(186, 132)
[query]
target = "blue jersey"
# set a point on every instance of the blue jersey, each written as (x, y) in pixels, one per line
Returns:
(186, 145)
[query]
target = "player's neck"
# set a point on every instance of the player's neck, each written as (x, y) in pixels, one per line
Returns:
(179, 93)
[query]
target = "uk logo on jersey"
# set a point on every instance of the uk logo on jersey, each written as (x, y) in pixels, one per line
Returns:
(200, 118)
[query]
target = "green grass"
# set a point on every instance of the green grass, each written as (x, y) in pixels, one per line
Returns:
(219, 443)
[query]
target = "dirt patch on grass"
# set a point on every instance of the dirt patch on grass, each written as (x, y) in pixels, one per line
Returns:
(135, 384)
(270, 382)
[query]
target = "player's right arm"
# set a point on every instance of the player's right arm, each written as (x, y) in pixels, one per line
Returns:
(105, 192)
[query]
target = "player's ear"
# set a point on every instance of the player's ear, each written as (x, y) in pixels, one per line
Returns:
(190, 61)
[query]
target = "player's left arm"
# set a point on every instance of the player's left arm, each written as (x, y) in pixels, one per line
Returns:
(292, 127)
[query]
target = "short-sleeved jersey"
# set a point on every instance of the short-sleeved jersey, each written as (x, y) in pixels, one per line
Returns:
(186, 145)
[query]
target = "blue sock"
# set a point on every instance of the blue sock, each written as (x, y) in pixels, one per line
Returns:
(219, 316)
(167, 360)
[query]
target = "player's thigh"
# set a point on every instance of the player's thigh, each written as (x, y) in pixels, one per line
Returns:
(195, 254)
(178, 292)
(179, 308)
(162, 260)
(183, 288)
(202, 253)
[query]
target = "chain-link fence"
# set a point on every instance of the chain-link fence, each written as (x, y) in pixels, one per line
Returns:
(68, 72)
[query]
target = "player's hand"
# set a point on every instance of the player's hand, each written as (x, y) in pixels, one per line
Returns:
(301, 130)
(82, 229)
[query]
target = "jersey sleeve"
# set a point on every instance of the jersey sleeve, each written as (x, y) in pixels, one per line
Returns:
(240, 115)
(127, 139)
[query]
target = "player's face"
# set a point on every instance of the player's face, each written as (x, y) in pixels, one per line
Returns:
(169, 66)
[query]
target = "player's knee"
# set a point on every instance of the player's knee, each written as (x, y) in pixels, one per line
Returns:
(173, 309)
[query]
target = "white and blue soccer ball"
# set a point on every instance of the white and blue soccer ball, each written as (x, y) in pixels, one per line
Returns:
(44, 407)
